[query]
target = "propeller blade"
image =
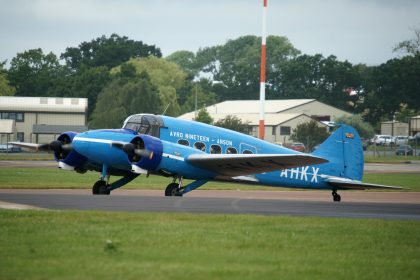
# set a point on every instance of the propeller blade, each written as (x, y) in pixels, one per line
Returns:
(130, 149)
(143, 153)
(57, 146)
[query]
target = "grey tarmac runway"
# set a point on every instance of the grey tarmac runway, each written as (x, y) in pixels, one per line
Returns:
(205, 202)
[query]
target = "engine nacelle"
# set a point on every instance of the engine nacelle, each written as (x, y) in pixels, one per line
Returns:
(68, 159)
(152, 156)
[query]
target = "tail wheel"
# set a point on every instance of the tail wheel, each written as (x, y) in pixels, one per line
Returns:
(336, 196)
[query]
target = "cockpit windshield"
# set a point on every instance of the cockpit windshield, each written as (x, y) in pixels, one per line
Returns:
(145, 124)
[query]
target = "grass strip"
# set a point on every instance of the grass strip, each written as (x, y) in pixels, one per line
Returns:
(49, 178)
(93, 245)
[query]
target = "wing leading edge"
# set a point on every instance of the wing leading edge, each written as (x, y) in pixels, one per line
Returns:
(245, 164)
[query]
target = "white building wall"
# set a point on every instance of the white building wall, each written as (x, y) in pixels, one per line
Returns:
(61, 119)
(316, 108)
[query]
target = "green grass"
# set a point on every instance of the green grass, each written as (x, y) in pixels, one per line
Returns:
(26, 156)
(411, 180)
(49, 178)
(92, 245)
(52, 178)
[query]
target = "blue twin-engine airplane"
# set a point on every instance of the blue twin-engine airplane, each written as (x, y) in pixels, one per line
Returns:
(180, 149)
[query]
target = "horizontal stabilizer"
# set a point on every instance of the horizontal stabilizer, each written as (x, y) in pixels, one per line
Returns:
(245, 164)
(347, 184)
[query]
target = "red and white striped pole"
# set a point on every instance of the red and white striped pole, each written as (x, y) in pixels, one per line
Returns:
(262, 75)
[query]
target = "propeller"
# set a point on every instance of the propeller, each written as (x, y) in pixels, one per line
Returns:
(130, 149)
(58, 146)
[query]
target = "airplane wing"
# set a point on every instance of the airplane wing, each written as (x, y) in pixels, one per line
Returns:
(31, 146)
(347, 184)
(245, 164)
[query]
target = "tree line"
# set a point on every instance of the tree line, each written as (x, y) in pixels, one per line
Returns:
(121, 76)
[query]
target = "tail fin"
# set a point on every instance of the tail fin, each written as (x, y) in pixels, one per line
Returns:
(344, 151)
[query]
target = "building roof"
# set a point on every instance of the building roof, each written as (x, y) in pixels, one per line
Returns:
(240, 107)
(393, 122)
(57, 129)
(253, 106)
(43, 104)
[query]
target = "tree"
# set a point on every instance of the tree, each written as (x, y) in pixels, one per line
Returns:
(205, 97)
(34, 73)
(186, 60)
(109, 52)
(236, 64)
(204, 116)
(412, 46)
(233, 123)
(364, 129)
(309, 133)
(5, 88)
(124, 97)
(324, 79)
(166, 76)
(390, 85)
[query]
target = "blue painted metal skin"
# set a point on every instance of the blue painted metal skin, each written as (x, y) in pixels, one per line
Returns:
(344, 153)
(121, 182)
(74, 158)
(174, 140)
(194, 185)
(96, 145)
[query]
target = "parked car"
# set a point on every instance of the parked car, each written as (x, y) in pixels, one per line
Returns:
(415, 137)
(399, 140)
(404, 150)
(381, 140)
(300, 147)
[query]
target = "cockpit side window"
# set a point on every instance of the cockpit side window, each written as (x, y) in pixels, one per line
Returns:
(145, 124)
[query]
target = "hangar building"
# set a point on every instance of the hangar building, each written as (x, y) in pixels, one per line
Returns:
(281, 116)
(42, 119)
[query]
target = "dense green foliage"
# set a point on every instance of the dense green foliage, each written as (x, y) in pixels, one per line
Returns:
(185, 80)
(310, 134)
(204, 116)
(364, 129)
(233, 123)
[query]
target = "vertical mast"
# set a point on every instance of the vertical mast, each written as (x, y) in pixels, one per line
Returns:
(262, 75)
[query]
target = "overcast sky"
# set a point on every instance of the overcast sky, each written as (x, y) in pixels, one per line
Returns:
(361, 31)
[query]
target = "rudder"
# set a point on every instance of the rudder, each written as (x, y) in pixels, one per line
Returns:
(344, 151)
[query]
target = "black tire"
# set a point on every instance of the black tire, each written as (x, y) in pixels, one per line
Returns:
(336, 196)
(100, 187)
(172, 190)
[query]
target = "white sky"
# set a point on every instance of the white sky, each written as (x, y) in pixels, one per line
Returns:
(361, 31)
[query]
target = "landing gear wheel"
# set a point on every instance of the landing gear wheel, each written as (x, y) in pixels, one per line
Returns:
(172, 190)
(336, 196)
(100, 187)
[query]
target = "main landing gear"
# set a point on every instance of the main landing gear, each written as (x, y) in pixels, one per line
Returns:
(101, 187)
(174, 189)
(336, 196)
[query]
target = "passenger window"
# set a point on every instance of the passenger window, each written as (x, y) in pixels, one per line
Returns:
(200, 146)
(183, 142)
(247, 152)
(231, 150)
(215, 149)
